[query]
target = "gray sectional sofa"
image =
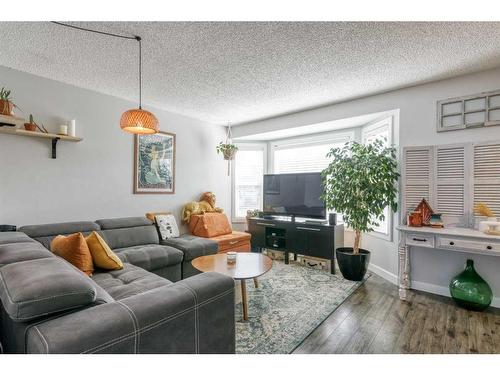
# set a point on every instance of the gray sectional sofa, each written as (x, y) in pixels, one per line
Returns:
(49, 306)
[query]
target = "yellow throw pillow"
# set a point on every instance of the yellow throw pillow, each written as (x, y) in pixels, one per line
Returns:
(74, 249)
(102, 255)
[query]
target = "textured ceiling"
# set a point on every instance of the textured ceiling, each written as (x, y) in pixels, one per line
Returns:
(239, 72)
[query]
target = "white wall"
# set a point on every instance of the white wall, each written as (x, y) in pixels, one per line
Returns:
(93, 179)
(431, 270)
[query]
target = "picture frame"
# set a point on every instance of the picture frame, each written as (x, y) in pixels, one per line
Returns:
(154, 163)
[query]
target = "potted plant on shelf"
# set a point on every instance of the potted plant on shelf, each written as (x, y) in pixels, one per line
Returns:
(30, 126)
(6, 104)
(360, 182)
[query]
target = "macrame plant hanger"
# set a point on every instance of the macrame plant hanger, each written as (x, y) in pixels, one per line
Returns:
(229, 140)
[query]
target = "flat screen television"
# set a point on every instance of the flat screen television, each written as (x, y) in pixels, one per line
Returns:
(294, 194)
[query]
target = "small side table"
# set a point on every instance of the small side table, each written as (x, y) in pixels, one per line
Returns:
(247, 266)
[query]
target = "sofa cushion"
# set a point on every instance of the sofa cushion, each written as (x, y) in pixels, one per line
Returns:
(101, 295)
(14, 237)
(129, 281)
(45, 233)
(124, 222)
(21, 251)
(102, 256)
(133, 236)
(75, 250)
(150, 257)
(192, 246)
(40, 287)
(209, 225)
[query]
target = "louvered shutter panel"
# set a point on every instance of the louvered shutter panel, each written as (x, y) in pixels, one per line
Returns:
(450, 187)
(486, 181)
(416, 177)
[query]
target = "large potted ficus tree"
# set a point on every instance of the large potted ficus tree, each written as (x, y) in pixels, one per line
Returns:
(360, 182)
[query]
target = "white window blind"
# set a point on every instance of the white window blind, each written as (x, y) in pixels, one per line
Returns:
(307, 154)
(248, 179)
(300, 159)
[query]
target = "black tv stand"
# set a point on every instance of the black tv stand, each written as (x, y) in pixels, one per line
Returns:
(314, 239)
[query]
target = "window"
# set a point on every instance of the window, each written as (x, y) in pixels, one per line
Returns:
(381, 130)
(249, 167)
(307, 154)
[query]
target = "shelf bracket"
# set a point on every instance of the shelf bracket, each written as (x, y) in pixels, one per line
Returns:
(54, 147)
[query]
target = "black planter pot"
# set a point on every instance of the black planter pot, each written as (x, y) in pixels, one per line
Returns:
(353, 267)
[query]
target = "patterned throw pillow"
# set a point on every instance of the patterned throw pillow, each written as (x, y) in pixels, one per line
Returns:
(167, 226)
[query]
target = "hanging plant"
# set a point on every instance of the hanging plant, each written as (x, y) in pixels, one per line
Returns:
(227, 149)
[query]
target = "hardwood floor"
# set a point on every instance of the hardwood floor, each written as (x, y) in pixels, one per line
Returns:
(374, 320)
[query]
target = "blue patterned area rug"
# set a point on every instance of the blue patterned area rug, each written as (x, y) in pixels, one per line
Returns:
(290, 302)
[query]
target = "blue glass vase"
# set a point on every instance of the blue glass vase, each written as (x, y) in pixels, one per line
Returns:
(469, 290)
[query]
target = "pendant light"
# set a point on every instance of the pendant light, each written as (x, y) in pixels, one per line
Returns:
(135, 121)
(139, 121)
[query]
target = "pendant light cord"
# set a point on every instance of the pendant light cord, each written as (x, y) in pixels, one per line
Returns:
(138, 38)
(135, 37)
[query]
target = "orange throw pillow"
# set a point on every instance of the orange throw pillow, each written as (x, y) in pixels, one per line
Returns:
(102, 255)
(74, 249)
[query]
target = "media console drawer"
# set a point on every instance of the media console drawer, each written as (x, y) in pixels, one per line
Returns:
(417, 239)
(453, 243)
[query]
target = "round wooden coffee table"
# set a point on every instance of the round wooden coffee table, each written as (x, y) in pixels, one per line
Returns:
(247, 266)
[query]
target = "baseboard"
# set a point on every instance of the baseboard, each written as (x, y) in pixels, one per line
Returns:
(442, 290)
(419, 285)
(392, 278)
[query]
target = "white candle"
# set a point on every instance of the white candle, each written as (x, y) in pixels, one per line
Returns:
(63, 129)
(72, 128)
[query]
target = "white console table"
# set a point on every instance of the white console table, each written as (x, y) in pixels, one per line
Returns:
(464, 240)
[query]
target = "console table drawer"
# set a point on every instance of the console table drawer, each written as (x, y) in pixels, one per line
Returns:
(453, 243)
(417, 239)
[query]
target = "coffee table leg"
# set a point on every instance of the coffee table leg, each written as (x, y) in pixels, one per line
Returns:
(244, 299)
(255, 282)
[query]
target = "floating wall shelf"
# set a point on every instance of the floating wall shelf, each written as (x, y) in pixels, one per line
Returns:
(54, 137)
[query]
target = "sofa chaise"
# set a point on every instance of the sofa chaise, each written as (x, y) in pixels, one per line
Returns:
(49, 306)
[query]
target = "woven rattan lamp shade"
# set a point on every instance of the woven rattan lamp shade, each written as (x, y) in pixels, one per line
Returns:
(139, 121)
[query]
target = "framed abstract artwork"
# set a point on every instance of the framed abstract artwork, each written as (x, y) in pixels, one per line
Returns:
(154, 163)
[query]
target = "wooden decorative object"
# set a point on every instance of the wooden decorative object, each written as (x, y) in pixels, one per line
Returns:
(425, 210)
(415, 219)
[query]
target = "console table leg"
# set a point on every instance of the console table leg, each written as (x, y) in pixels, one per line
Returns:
(244, 299)
(286, 257)
(332, 265)
(255, 283)
(404, 270)
(295, 257)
